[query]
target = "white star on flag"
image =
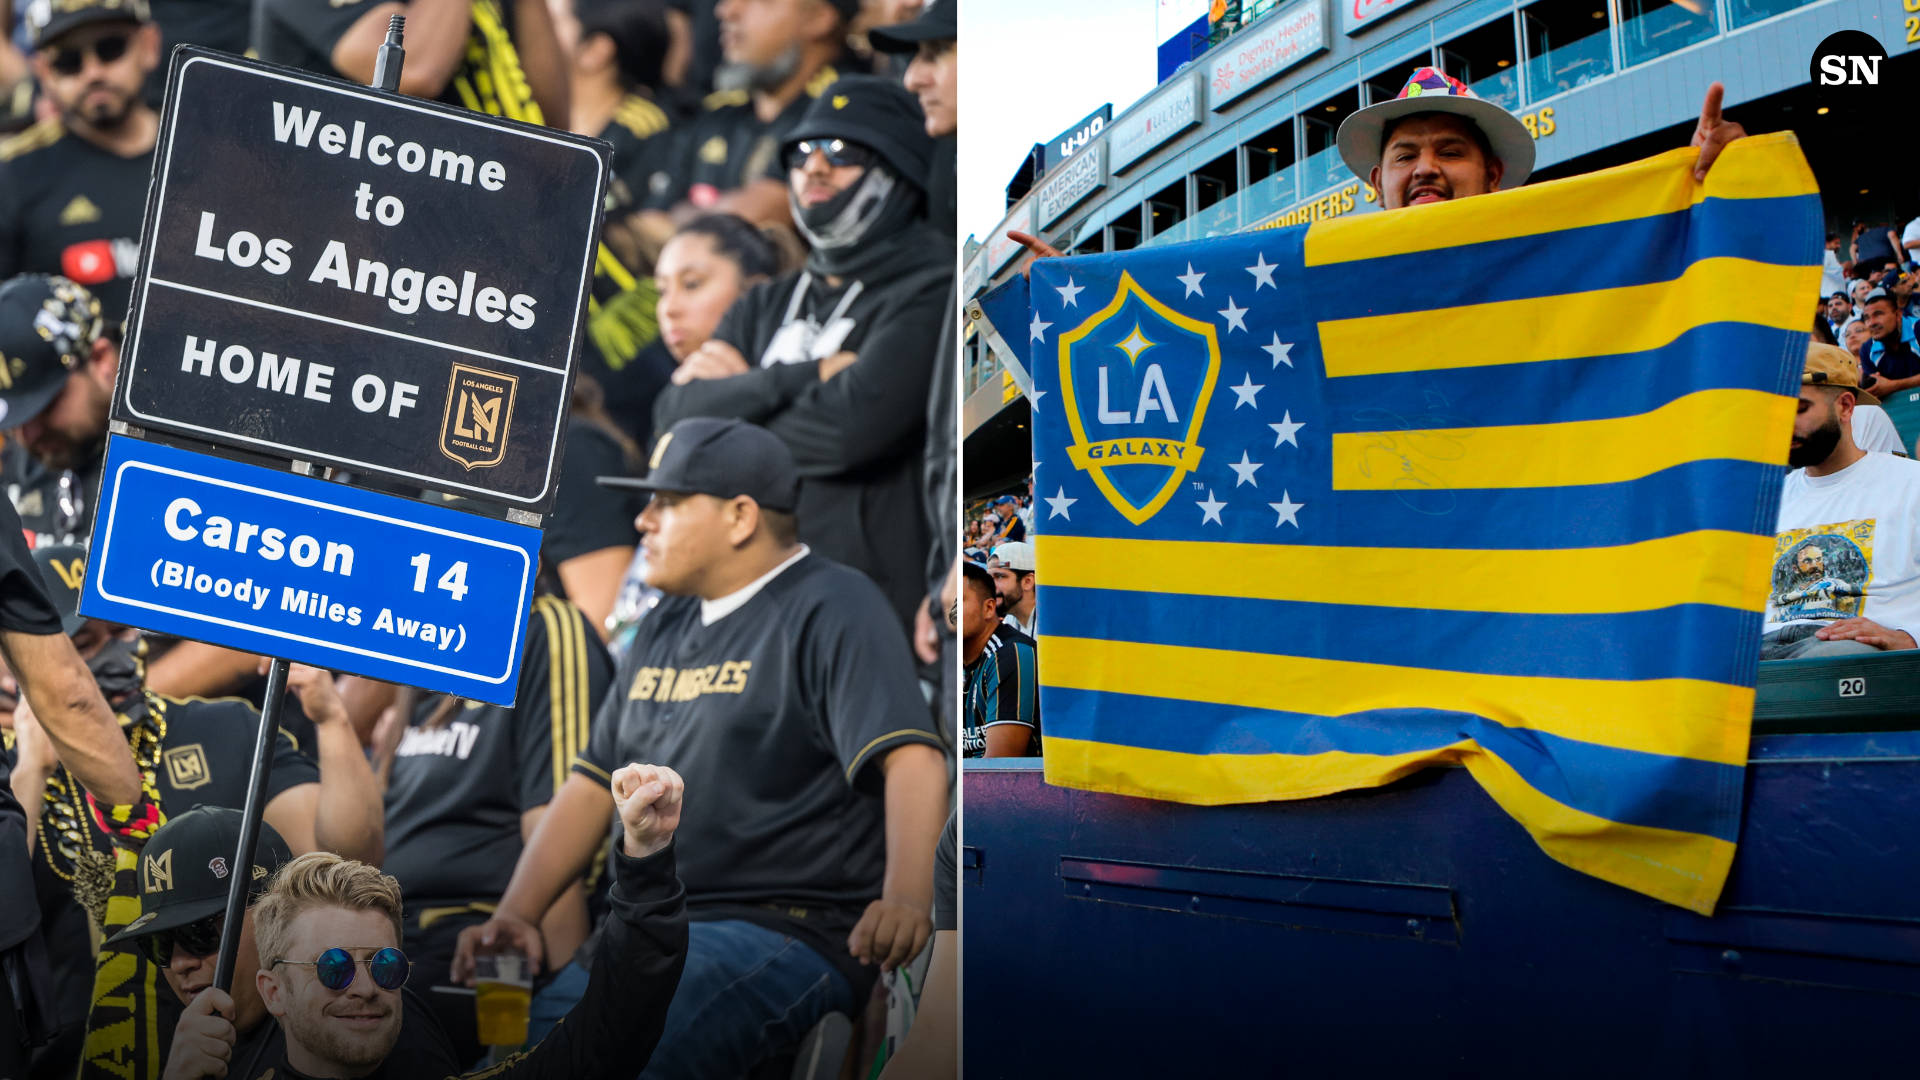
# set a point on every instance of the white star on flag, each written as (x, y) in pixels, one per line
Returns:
(1286, 508)
(1210, 509)
(1035, 400)
(1246, 391)
(1236, 316)
(1068, 292)
(1283, 431)
(1039, 328)
(1262, 272)
(1059, 503)
(1244, 470)
(1279, 350)
(1191, 280)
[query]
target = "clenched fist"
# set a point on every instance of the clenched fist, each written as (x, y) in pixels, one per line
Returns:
(203, 1040)
(648, 797)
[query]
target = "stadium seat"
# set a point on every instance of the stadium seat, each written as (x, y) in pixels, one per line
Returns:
(1903, 408)
(1880, 692)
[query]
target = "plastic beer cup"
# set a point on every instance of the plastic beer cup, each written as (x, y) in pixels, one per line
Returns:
(503, 990)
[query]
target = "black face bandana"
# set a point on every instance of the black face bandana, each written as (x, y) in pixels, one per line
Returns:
(117, 671)
(850, 232)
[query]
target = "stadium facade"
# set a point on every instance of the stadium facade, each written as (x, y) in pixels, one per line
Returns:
(1242, 138)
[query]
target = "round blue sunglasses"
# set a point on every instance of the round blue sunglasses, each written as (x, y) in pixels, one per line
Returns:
(336, 968)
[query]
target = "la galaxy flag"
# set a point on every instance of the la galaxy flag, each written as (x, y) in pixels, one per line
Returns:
(1491, 482)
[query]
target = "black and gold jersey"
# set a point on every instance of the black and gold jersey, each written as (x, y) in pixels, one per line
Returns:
(642, 138)
(729, 145)
(778, 714)
(302, 33)
(465, 771)
(68, 207)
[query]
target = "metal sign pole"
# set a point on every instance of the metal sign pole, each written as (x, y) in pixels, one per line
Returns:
(386, 76)
(242, 875)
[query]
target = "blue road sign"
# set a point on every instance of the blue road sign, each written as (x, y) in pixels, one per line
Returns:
(286, 565)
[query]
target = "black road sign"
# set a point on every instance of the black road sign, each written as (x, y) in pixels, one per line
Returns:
(344, 276)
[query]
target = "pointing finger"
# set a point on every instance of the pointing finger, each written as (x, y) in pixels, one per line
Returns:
(1710, 109)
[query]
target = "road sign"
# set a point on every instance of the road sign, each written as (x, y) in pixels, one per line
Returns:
(340, 275)
(285, 565)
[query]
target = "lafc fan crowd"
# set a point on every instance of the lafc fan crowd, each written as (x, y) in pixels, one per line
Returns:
(710, 824)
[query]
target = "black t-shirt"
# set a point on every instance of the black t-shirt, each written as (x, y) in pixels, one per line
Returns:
(587, 517)
(302, 33)
(459, 787)
(773, 716)
(25, 608)
(631, 389)
(946, 879)
(68, 207)
(642, 139)
(943, 186)
(55, 505)
(727, 146)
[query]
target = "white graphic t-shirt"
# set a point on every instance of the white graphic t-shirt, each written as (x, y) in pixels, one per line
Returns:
(1873, 430)
(1846, 546)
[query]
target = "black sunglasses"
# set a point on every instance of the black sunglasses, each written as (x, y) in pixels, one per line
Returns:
(336, 968)
(200, 938)
(68, 60)
(838, 152)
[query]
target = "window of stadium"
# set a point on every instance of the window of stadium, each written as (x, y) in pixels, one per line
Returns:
(1167, 207)
(1745, 12)
(1487, 59)
(1567, 45)
(1268, 153)
(1125, 229)
(1650, 28)
(1323, 166)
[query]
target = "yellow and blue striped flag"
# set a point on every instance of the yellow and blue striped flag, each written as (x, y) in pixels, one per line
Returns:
(1491, 482)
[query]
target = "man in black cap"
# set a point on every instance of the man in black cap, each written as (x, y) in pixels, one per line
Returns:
(73, 188)
(82, 732)
(58, 358)
(194, 752)
(836, 359)
(769, 678)
(175, 903)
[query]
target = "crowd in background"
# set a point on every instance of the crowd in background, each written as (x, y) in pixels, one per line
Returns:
(777, 256)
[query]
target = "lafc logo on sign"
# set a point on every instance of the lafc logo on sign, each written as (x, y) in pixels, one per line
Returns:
(479, 412)
(187, 767)
(156, 875)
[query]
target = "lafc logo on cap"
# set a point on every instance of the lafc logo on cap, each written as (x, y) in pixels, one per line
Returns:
(70, 572)
(187, 766)
(839, 101)
(479, 412)
(659, 450)
(156, 874)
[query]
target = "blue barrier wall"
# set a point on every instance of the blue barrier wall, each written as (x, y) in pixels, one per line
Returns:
(1416, 931)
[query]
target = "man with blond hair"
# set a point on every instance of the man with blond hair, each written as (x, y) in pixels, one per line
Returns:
(331, 970)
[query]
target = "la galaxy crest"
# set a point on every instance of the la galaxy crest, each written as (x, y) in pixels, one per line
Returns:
(1135, 379)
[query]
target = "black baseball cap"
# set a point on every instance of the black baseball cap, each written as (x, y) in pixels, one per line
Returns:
(62, 566)
(878, 114)
(48, 19)
(938, 21)
(702, 455)
(184, 869)
(47, 329)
